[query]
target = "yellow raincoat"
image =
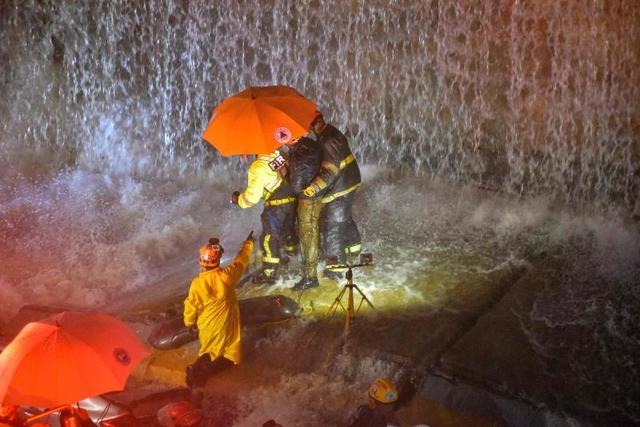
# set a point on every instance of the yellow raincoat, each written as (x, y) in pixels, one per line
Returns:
(262, 182)
(213, 304)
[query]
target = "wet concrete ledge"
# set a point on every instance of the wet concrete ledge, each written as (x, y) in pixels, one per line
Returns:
(476, 359)
(535, 359)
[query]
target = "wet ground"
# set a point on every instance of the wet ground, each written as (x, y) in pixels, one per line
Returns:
(488, 311)
(527, 304)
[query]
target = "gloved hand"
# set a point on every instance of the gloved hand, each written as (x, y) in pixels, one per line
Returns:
(234, 198)
(311, 190)
(250, 237)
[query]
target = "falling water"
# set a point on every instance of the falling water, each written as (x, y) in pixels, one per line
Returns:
(106, 188)
(525, 97)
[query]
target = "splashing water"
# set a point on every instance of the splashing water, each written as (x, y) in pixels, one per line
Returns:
(106, 189)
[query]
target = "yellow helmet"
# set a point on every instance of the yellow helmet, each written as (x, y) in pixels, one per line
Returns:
(383, 391)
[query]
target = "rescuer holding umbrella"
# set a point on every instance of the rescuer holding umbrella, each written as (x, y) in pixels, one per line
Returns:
(266, 181)
(335, 185)
(259, 120)
(212, 305)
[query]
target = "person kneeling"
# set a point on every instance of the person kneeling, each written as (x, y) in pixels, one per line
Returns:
(212, 307)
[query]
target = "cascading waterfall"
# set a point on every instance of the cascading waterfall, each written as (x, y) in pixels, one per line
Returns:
(525, 97)
(107, 190)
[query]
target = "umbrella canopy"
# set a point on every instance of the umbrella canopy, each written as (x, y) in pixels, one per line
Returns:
(259, 120)
(67, 358)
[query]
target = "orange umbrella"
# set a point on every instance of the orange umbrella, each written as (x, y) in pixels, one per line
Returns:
(67, 358)
(259, 120)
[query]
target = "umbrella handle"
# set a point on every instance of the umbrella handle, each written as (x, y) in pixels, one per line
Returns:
(47, 413)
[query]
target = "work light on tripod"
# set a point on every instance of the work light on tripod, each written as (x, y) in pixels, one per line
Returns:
(366, 260)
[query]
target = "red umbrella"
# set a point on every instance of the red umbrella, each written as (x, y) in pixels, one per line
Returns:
(67, 358)
(259, 120)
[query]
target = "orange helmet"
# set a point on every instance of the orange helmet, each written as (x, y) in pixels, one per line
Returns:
(211, 253)
(383, 391)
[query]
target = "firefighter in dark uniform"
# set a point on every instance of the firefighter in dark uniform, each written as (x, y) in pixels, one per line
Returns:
(265, 181)
(335, 184)
(305, 156)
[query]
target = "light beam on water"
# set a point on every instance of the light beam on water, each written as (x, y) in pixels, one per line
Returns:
(106, 189)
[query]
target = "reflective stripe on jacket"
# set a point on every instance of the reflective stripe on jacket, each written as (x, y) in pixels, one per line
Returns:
(262, 183)
(339, 172)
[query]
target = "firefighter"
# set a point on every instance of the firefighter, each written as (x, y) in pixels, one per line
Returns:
(305, 156)
(212, 306)
(380, 410)
(266, 181)
(335, 184)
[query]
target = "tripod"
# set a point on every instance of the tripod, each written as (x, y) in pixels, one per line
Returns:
(348, 288)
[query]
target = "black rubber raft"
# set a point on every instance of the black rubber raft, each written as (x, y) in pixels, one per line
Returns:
(172, 333)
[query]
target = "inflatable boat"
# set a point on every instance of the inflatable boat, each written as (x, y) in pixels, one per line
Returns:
(172, 333)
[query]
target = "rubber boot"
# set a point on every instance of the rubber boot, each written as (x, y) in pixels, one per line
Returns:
(268, 274)
(306, 283)
(264, 277)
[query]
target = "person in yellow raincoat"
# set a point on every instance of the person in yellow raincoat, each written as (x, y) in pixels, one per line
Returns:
(212, 306)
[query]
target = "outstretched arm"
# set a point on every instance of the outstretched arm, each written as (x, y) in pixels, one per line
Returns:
(239, 265)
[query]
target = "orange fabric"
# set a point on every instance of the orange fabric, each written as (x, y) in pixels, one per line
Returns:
(67, 358)
(259, 120)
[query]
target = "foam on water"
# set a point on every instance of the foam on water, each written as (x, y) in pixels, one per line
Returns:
(84, 238)
(107, 191)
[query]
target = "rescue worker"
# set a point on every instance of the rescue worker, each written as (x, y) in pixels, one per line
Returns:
(380, 410)
(335, 184)
(266, 181)
(212, 306)
(305, 156)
